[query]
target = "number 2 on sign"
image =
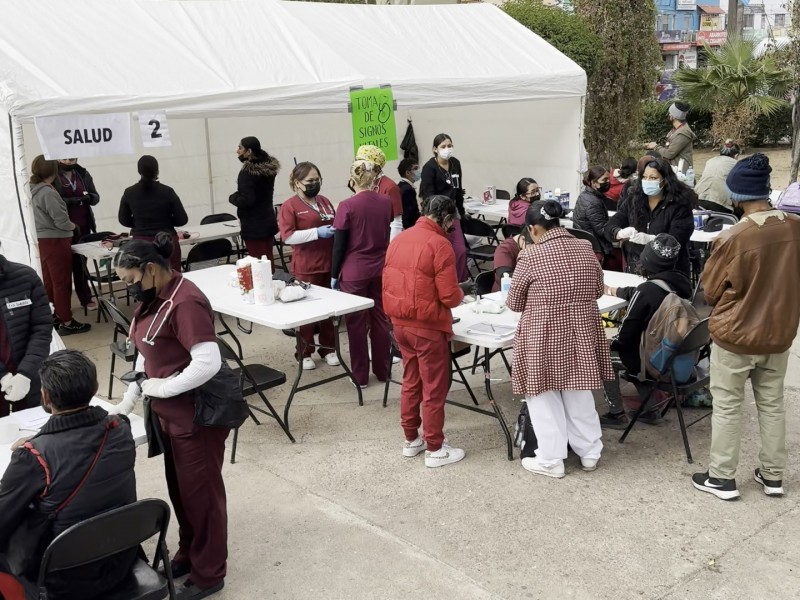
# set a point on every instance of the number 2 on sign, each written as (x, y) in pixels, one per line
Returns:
(156, 126)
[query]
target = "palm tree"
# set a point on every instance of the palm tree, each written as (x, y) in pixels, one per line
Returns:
(736, 87)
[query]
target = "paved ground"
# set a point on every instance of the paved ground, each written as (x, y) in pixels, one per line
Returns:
(341, 514)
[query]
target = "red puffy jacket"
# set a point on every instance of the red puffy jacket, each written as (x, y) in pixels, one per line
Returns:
(420, 285)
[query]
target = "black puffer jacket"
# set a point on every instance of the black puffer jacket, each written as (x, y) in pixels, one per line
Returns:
(48, 469)
(26, 317)
(673, 215)
(591, 215)
(253, 198)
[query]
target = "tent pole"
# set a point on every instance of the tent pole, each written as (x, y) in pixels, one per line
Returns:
(210, 172)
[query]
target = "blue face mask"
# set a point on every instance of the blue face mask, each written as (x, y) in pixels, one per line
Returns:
(651, 188)
(417, 176)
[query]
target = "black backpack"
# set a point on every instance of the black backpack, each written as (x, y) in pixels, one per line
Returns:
(524, 436)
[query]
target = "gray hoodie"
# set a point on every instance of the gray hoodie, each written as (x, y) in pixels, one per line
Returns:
(50, 212)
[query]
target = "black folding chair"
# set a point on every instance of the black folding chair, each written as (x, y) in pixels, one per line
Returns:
(96, 280)
(484, 252)
(222, 218)
(502, 195)
(254, 379)
(209, 254)
(698, 339)
(119, 348)
(510, 231)
(587, 235)
(279, 243)
(716, 220)
(109, 533)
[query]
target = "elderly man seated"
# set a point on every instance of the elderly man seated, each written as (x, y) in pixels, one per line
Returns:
(79, 465)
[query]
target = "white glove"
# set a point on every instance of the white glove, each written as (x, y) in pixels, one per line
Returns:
(17, 387)
(625, 234)
(129, 401)
(154, 388)
(642, 238)
(4, 381)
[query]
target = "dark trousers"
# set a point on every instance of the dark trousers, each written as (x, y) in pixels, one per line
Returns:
(56, 258)
(259, 248)
(175, 257)
(357, 324)
(193, 466)
(81, 216)
(426, 381)
(327, 335)
(459, 244)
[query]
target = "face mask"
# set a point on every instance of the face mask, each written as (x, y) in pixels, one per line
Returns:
(141, 295)
(445, 153)
(350, 186)
(65, 167)
(535, 197)
(417, 176)
(604, 187)
(242, 158)
(312, 189)
(651, 188)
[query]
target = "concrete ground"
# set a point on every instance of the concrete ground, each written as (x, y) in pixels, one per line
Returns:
(342, 514)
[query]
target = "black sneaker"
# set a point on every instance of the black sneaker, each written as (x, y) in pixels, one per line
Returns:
(651, 417)
(771, 488)
(189, 591)
(724, 489)
(179, 569)
(73, 327)
(614, 421)
(56, 323)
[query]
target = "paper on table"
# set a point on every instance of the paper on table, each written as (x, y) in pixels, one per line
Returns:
(492, 330)
(31, 419)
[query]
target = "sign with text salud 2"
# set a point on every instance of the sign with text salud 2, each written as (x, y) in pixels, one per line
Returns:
(79, 136)
(373, 120)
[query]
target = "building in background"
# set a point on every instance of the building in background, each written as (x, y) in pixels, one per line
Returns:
(761, 19)
(677, 24)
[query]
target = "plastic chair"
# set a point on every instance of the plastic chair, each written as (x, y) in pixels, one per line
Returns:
(211, 251)
(254, 379)
(119, 349)
(112, 532)
(484, 252)
(698, 339)
(510, 231)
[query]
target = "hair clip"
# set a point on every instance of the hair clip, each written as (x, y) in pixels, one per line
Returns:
(545, 215)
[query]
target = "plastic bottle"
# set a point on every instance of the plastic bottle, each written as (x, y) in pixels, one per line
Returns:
(690, 177)
(505, 286)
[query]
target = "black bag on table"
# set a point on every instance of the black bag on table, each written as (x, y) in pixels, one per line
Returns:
(219, 401)
(524, 436)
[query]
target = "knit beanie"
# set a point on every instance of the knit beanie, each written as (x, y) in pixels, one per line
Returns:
(749, 179)
(661, 254)
(678, 110)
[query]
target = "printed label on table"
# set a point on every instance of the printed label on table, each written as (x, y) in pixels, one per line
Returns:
(79, 136)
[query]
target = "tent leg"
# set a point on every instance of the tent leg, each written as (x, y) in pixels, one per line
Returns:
(210, 171)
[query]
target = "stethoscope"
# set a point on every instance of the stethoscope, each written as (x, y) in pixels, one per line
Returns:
(320, 210)
(150, 338)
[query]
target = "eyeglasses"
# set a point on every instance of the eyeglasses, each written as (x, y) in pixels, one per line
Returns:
(312, 181)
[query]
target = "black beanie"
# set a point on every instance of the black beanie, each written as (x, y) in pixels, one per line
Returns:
(749, 179)
(661, 254)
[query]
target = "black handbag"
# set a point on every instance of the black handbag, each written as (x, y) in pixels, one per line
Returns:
(219, 401)
(27, 544)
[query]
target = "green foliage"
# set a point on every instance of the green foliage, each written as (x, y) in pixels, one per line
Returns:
(772, 129)
(566, 31)
(625, 75)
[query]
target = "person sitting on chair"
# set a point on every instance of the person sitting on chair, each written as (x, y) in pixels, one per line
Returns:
(657, 262)
(79, 465)
(507, 254)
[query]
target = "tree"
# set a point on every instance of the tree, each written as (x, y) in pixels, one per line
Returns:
(736, 87)
(794, 66)
(567, 32)
(625, 75)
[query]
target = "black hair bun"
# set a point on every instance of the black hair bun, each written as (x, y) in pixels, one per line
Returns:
(553, 209)
(163, 244)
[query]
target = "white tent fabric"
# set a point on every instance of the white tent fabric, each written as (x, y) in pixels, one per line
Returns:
(282, 71)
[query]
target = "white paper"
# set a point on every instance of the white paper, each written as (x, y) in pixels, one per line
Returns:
(154, 128)
(31, 419)
(490, 329)
(78, 136)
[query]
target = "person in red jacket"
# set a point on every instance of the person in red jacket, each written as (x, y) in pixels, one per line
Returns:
(420, 286)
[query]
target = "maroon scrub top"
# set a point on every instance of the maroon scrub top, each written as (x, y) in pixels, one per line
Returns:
(190, 322)
(315, 257)
(367, 217)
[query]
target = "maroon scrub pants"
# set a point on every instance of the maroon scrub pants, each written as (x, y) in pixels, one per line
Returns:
(327, 335)
(459, 244)
(378, 324)
(193, 466)
(259, 248)
(56, 257)
(426, 381)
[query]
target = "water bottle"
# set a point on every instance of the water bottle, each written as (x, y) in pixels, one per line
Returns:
(505, 286)
(690, 177)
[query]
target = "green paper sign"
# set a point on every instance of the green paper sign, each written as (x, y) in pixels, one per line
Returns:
(373, 120)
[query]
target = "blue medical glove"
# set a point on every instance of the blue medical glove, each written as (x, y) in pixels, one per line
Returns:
(324, 231)
(334, 283)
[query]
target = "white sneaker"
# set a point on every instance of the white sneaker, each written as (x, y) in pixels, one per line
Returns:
(533, 465)
(309, 364)
(589, 464)
(396, 360)
(332, 360)
(445, 455)
(412, 449)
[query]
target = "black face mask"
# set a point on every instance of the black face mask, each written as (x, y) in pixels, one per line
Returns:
(64, 167)
(242, 158)
(145, 296)
(535, 197)
(604, 187)
(312, 189)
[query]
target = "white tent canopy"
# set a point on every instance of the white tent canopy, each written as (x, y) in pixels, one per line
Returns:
(223, 69)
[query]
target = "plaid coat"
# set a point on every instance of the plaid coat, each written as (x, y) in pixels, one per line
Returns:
(560, 343)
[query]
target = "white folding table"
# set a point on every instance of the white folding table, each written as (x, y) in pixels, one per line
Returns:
(36, 417)
(320, 304)
(507, 320)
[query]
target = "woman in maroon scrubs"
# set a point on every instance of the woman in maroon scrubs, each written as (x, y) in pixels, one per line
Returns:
(306, 224)
(359, 250)
(173, 330)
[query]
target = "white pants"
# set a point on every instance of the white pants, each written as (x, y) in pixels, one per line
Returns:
(561, 418)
